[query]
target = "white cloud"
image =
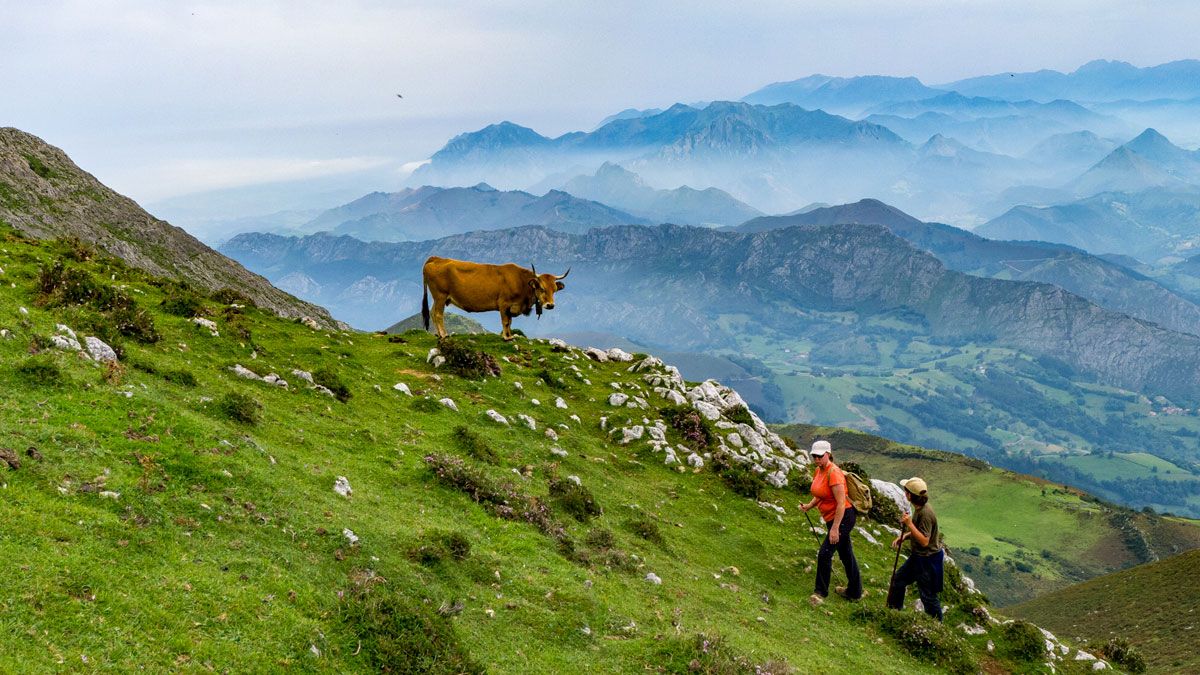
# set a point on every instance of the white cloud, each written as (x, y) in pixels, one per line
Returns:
(185, 176)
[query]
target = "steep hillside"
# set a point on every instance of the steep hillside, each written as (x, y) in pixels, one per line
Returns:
(1018, 537)
(44, 194)
(186, 509)
(1151, 606)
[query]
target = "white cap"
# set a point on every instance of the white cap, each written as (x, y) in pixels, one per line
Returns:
(821, 448)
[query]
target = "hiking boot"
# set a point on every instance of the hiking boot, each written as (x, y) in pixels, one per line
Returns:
(816, 599)
(841, 591)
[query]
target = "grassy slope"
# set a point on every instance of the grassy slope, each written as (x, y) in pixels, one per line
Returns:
(224, 548)
(1014, 518)
(1153, 606)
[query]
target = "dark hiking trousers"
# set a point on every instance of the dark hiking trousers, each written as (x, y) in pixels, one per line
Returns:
(846, 552)
(926, 573)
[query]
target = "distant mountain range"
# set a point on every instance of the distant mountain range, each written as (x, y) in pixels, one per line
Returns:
(623, 189)
(666, 285)
(841, 95)
(431, 212)
(1098, 80)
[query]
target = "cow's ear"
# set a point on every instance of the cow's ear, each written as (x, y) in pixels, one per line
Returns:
(533, 283)
(559, 285)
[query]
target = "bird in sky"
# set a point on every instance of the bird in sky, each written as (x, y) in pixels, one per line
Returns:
(399, 96)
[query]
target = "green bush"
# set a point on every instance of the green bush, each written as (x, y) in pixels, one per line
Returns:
(427, 405)
(1022, 641)
(228, 296)
(41, 370)
(441, 545)
(183, 378)
(399, 635)
(697, 431)
(61, 286)
(576, 500)
(740, 479)
(712, 656)
(474, 444)
(239, 408)
(466, 362)
(739, 414)
(327, 377)
(922, 636)
(1119, 651)
(645, 527)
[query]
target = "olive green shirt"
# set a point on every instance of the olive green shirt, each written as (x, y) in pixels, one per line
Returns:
(925, 521)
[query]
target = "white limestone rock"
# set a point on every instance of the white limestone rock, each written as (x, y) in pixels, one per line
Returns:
(529, 421)
(695, 460)
(244, 372)
(617, 399)
(497, 417)
(402, 388)
(630, 434)
(551, 434)
(276, 380)
(616, 354)
(653, 578)
(710, 411)
(351, 538)
(891, 491)
(596, 354)
(65, 343)
(558, 452)
(973, 629)
(342, 486)
(307, 376)
(206, 324)
(560, 403)
(310, 322)
(449, 403)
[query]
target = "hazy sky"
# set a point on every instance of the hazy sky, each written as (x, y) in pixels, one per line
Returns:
(166, 98)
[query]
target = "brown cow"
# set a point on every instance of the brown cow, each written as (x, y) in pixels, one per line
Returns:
(475, 287)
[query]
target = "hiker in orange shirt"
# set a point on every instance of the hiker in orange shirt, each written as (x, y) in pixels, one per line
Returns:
(829, 494)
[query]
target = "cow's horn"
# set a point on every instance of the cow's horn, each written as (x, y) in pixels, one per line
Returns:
(534, 267)
(564, 276)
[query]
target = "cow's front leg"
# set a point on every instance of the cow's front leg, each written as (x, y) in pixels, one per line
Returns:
(506, 326)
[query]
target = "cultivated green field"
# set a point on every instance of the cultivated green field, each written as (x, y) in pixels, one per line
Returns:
(165, 514)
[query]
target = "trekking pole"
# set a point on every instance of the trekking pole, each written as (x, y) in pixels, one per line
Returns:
(811, 528)
(895, 562)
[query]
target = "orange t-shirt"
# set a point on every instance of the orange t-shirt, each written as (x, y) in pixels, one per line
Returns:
(822, 489)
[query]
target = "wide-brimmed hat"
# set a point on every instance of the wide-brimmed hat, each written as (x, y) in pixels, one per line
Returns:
(915, 486)
(820, 448)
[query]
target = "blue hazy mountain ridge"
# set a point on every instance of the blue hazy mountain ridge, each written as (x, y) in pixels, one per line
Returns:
(666, 285)
(1150, 224)
(1109, 285)
(620, 188)
(1098, 80)
(843, 95)
(429, 212)
(767, 156)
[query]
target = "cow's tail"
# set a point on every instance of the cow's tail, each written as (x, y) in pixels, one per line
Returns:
(425, 304)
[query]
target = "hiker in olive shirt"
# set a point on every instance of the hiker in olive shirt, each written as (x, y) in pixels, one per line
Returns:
(925, 554)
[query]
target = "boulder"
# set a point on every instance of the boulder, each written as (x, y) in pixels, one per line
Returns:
(341, 485)
(497, 417)
(617, 399)
(99, 350)
(596, 354)
(529, 421)
(891, 491)
(560, 403)
(402, 388)
(449, 403)
(206, 324)
(65, 343)
(242, 371)
(616, 354)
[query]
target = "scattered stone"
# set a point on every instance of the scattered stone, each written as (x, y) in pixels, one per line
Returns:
(304, 375)
(551, 434)
(603, 423)
(207, 324)
(576, 419)
(1099, 665)
(64, 330)
(816, 600)
(560, 403)
(616, 354)
(1084, 656)
(596, 354)
(99, 350)
(519, 386)
(497, 417)
(973, 629)
(575, 479)
(276, 380)
(449, 403)
(65, 343)
(558, 452)
(617, 399)
(23, 311)
(109, 494)
(342, 486)
(710, 411)
(991, 646)
(310, 322)
(629, 434)
(534, 401)
(323, 390)
(402, 388)
(653, 578)
(350, 536)
(242, 371)
(529, 421)
(695, 460)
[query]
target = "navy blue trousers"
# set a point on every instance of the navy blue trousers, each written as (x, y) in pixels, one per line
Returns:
(926, 573)
(846, 552)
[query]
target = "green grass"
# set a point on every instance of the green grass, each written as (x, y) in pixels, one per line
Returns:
(163, 530)
(1154, 607)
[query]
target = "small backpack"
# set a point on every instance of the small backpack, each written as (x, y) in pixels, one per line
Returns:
(859, 492)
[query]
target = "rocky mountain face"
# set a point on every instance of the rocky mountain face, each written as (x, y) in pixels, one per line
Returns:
(666, 285)
(45, 195)
(844, 95)
(1112, 286)
(429, 212)
(1098, 80)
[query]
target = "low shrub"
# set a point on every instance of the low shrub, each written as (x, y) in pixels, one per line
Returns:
(645, 527)
(228, 296)
(239, 408)
(575, 499)
(697, 431)
(76, 249)
(181, 377)
(739, 414)
(466, 362)
(474, 444)
(922, 636)
(327, 377)
(427, 405)
(41, 370)
(440, 545)
(1119, 651)
(1022, 641)
(59, 285)
(550, 380)
(400, 635)
(740, 479)
(183, 302)
(711, 655)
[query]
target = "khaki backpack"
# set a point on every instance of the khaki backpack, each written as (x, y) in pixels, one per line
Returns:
(859, 492)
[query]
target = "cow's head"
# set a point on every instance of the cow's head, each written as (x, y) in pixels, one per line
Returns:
(544, 286)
